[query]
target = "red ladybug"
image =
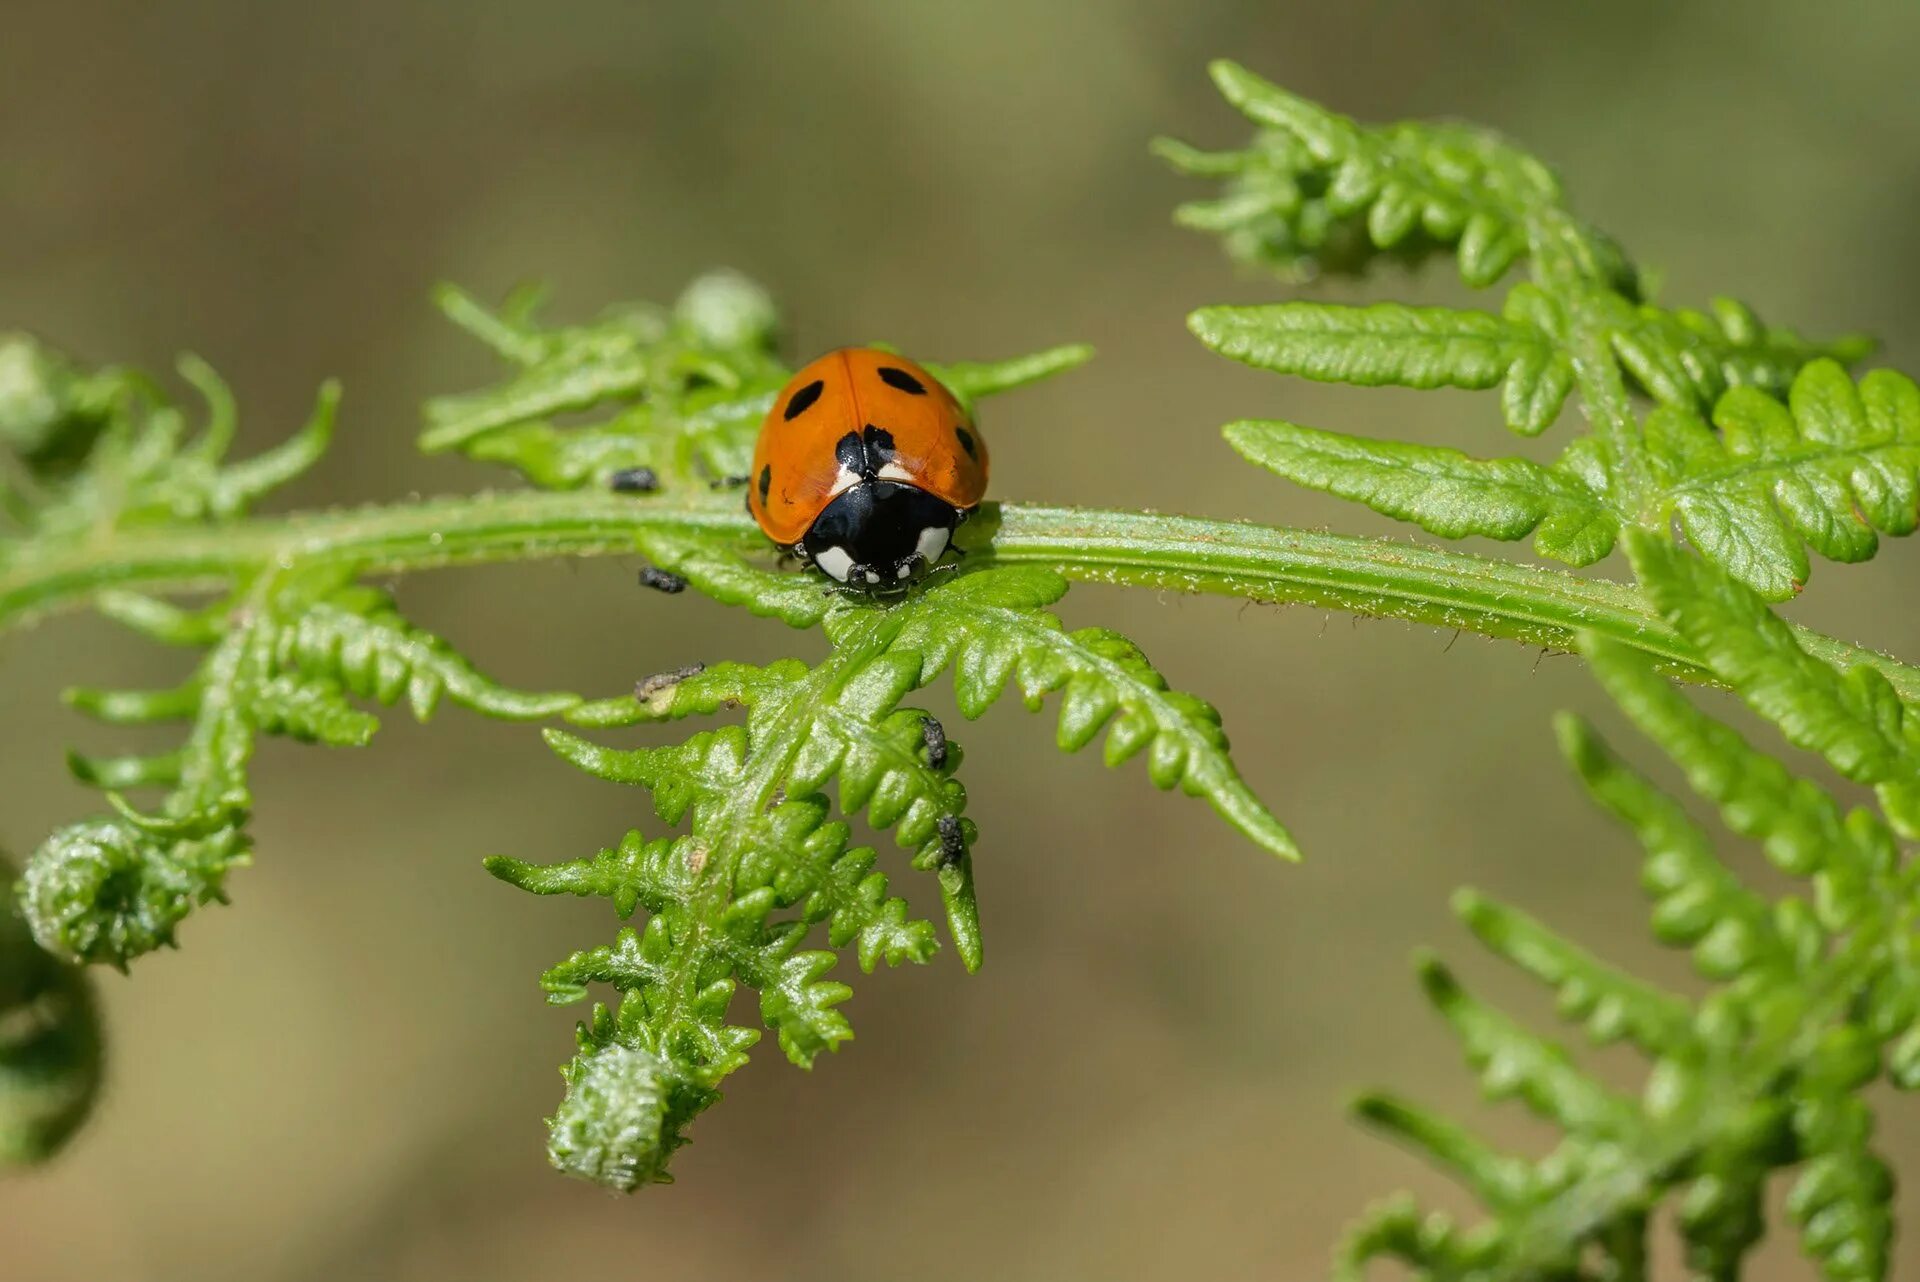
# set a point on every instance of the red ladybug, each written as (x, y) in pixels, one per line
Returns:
(865, 465)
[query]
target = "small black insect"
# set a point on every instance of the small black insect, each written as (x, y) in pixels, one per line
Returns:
(652, 576)
(953, 842)
(660, 682)
(634, 480)
(934, 736)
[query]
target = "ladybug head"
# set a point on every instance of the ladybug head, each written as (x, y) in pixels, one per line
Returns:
(880, 534)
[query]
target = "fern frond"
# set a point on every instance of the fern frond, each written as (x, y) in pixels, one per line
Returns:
(1442, 490)
(1827, 470)
(1390, 344)
(52, 414)
(285, 656)
(732, 901)
(298, 646)
(1854, 719)
(687, 386)
(763, 861)
(1815, 998)
(1752, 489)
(971, 380)
(680, 391)
(123, 457)
(993, 628)
(1317, 190)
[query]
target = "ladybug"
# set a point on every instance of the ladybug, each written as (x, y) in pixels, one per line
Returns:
(864, 467)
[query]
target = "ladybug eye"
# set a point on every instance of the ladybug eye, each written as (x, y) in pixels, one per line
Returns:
(894, 377)
(803, 400)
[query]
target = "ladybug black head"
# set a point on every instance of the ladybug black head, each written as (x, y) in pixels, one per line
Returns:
(880, 534)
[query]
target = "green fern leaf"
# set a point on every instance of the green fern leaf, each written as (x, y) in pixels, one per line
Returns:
(992, 628)
(1613, 1005)
(680, 392)
(1853, 719)
(971, 380)
(733, 900)
(1697, 902)
(1392, 344)
(1827, 470)
(1443, 491)
(283, 657)
(1763, 1074)
(1315, 180)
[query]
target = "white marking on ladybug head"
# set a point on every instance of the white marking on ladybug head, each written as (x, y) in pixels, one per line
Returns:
(933, 541)
(837, 562)
(906, 568)
(843, 481)
(894, 472)
(873, 576)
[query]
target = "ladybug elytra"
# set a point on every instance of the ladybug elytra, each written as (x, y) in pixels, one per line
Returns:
(865, 465)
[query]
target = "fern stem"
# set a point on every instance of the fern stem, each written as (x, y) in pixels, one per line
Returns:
(1373, 577)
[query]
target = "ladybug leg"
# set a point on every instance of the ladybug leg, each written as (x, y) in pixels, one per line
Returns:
(945, 567)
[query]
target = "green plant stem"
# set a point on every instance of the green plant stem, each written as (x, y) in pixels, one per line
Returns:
(1376, 577)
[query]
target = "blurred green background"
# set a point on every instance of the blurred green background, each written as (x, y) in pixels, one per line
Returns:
(343, 1075)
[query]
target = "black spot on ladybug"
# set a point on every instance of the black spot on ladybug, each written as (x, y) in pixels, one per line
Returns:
(967, 442)
(895, 377)
(660, 580)
(953, 842)
(766, 481)
(802, 400)
(634, 480)
(934, 736)
(851, 453)
(866, 452)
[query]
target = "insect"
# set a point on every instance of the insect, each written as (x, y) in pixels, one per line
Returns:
(652, 576)
(864, 467)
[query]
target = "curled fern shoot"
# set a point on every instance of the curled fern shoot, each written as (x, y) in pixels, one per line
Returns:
(50, 1054)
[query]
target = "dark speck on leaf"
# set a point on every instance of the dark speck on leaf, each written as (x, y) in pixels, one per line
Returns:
(660, 580)
(660, 682)
(953, 842)
(934, 736)
(634, 480)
